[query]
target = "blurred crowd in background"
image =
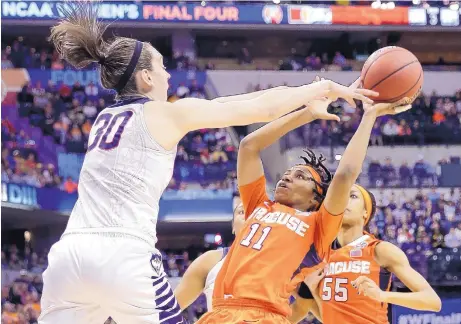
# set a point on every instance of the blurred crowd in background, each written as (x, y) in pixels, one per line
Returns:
(67, 115)
(433, 119)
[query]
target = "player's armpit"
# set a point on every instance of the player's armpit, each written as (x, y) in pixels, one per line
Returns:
(253, 194)
(326, 230)
(193, 281)
(422, 297)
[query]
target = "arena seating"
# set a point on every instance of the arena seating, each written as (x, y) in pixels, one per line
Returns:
(56, 119)
(432, 120)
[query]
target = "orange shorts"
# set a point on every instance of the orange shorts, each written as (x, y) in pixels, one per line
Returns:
(229, 315)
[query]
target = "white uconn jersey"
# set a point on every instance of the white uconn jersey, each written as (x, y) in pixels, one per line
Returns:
(123, 176)
(211, 278)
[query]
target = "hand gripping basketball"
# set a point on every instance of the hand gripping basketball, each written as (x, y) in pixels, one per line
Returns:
(382, 109)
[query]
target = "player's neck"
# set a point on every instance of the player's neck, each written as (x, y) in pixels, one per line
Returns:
(349, 234)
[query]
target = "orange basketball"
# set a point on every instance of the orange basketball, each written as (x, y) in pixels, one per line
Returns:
(394, 72)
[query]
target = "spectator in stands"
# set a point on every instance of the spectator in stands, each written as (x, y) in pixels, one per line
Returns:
(205, 156)
(390, 129)
(452, 239)
(173, 269)
(90, 110)
(374, 172)
(181, 154)
(405, 175)
(218, 155)
(437, 237)
(57, 64)
(196, 91)
(388, 172)
(91, 91)
(421, 171)
(9, 314)
(70, 186)
(376, 137)
(339, 60)
(38, 90)
(244, 57)
(182, 91)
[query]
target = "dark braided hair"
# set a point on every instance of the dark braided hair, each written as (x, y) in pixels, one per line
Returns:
(310, 159)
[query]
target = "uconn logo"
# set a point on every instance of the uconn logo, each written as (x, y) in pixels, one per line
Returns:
(18, 194)
(156, 262)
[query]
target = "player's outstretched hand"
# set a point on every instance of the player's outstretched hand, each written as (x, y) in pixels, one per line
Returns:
(350, 93)
(318, 108)
(368, 288)
(382, 109)
(313, 279)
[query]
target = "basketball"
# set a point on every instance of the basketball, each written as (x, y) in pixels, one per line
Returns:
(394, 72)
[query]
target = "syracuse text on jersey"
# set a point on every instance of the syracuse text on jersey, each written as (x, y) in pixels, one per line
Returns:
(291, 222)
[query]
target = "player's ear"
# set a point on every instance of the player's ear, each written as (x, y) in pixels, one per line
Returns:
(145, 78)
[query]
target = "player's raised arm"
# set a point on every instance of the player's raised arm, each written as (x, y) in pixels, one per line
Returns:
(249, 163)
(422, 297)
(349, 168)
(193, 281)
(190, 114)
(247, 96)
(264, 107)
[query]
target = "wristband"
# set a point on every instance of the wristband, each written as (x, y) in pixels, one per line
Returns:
(304, 292)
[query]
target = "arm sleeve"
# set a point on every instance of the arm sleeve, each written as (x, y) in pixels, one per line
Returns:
(327, 228)
(253, 194)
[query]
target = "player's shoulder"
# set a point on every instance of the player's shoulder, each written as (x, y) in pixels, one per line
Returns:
(269, 205)
(383, 246)
(212, 256)
(387, 254)
(207, 261)
(364, 243)
(130, 102)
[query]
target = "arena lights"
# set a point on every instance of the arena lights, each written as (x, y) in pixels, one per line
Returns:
(276, 1)
(218, 239)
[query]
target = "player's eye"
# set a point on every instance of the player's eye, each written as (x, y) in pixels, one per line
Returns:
(353, 196)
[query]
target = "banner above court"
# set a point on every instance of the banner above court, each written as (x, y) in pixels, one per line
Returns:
(208, 15)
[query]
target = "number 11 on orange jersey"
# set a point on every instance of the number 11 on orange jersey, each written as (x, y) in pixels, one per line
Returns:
(254, 229)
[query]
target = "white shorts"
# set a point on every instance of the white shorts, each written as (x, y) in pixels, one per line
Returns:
(92, 276)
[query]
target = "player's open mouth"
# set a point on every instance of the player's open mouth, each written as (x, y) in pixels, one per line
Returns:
(283, 185)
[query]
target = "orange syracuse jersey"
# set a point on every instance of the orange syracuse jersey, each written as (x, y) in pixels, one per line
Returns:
(265, 262)
(341, 302)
